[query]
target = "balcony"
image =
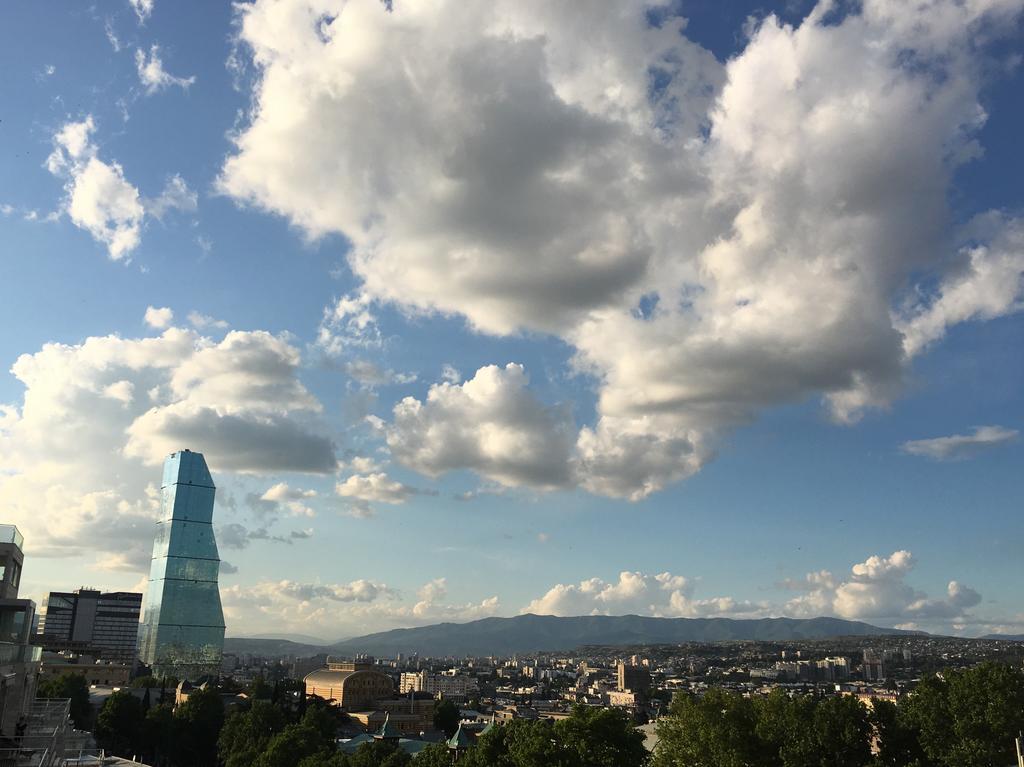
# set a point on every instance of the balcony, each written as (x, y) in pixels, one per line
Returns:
(11, 534)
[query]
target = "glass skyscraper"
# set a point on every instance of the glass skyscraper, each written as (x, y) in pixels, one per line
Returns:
(183, 625)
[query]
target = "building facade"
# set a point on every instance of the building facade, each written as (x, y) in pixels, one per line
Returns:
(19, 660)
(104, 625)
(182, 633)
(350, 685)
(456, 687)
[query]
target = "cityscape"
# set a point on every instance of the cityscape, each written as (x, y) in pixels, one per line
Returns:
(511, 383)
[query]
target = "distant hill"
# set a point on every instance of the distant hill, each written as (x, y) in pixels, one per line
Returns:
(1005, 637)
(526, 633)
(272, 647)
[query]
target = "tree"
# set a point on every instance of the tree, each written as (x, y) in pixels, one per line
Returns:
(245, 734)
(842, 732)
(201, 718)
(434, 755)
(446, 717)
(603, 737)
(119, 725)
(522, 743)
(716, 730)
(293, 744)
(73, 686)
(969, 718)
(159, 735)
(897, 742)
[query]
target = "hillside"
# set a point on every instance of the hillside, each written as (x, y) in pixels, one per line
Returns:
(526, 633)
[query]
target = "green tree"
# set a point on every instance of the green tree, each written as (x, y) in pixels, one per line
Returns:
(200, 718)
(842, 732)
(292, 745)
(119, 725)
(603, 737)
(785, 730)
(716, 730)
(446, 717)
(434, 755)
(245, 734)
(159, 735)
(969, 718)
(898, 745)
(73, 686)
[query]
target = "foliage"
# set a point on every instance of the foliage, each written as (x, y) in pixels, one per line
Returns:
(119, 725)
(201, 718)
(73, 686)
(434, 755)
(969, 718)
(603, 737)
(446, 717)
(245, 734)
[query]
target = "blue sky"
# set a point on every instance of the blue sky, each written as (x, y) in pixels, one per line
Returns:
(474, 314)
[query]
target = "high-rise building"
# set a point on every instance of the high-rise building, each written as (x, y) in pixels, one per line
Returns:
(183, 624)
(632, 678)
(104, 625)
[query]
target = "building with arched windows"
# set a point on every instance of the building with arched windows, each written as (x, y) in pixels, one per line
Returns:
(352, 686)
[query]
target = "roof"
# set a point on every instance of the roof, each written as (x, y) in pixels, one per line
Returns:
(329, 678)
(460, 739)
(387, 730)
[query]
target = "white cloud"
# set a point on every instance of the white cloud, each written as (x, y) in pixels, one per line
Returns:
(98, 198)
(159, 317)
(175, 196)
(370, 374)
(491, 424)
(296, 606)
(80, 451)
(636, 593)
(283, 492)
(200, 321)
(376, 487)
(743, 235)
(152, 74)
(960, 446)
(142, 8)
(876, 590)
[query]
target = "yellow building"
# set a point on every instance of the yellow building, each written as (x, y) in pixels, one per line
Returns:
(348, 685)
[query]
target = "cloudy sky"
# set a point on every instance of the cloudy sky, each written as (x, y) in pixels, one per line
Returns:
(672, 308)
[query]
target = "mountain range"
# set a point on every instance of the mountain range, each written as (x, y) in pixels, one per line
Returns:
(530, 633)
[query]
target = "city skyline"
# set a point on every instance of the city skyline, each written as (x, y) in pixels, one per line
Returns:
(707, 311)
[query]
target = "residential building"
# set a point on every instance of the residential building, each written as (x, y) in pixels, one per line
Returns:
(455, 687)
(183, 625)
(96, 672)
(19, 660)
(100, 624)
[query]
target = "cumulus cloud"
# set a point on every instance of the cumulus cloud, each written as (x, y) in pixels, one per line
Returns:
(158, 317)
(877, 590)
(743, 234)
(292, 499)
(957, 447)
(81, 449)
(296, 606)
(491, 424)
(376, 487)
(152, 74)
(98, 197)
(637, 593)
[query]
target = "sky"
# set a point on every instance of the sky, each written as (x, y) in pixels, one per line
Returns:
(670, 308)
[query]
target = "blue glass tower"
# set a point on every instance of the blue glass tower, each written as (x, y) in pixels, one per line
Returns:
(183, 624)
